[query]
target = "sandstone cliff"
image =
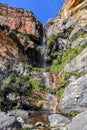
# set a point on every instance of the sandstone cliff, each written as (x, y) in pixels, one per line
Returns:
(20, 35)
(20, 20)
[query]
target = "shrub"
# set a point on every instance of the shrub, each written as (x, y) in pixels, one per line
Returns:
(73, 113)
(65, 57)
(59, 91)
(64, 78)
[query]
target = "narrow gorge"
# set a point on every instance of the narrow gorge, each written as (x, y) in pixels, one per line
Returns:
(43, 69)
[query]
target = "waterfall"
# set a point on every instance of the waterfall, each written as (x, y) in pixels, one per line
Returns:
(52, 99)
(43, 52)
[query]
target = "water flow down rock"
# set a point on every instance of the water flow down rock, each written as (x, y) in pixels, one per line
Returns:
(50, 84)
(43, 69)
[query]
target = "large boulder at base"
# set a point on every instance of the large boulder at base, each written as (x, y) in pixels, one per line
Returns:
(79, 122)
(74, 97)
(6, 121)
(19, 113)
(57, 120)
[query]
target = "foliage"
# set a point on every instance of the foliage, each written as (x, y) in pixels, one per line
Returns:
(59, 91)
(65, 57)
(52, 47)
(1, 99)
(28, 66)
(24, 129)
(53, 44)
(73, 113)
(64, 78)
(20, 83)
(80, 34)
(35, 84)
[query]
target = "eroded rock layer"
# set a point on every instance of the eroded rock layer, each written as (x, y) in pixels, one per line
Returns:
(20, 20)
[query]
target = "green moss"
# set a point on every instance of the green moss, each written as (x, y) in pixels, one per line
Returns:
(1, 99)
(64, 78)
(53, 44)
(33, 96)
(59, 92)
(67, 32)
(80, 34)
(65, 57)
(35, 84)
(73, 113)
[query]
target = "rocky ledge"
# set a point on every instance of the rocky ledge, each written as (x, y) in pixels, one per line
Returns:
(20, 20)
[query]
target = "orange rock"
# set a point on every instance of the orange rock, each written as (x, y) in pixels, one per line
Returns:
(20, 20)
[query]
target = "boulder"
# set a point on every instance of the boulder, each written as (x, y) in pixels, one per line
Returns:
(79, 122)
(6, 121)
(74, 97)
(57, 120)
(19, 113)
(27, 126)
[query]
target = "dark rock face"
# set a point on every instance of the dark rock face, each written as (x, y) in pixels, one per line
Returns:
(10, 50)
(20, 37)
(21, 27)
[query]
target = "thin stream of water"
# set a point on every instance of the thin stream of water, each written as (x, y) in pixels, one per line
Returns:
(50, 97)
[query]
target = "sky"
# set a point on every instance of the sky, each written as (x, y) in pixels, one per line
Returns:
(42, 9)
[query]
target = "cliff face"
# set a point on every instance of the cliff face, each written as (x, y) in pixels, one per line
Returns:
(66, 36)
(65, 49)
(72, 12)
(20, 35)
(26, 27)
(20, 20)
(71, 6)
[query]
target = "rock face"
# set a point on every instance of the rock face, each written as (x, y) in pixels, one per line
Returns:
(10, 50)
(79, 122)
(74, 96)
(71, 6)
(57, 120)
(69, 30)
(6, 122)
(73, 13)
(19, 113)
(27, 28)
(20, 20)
(78, 64)
(20, 37)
